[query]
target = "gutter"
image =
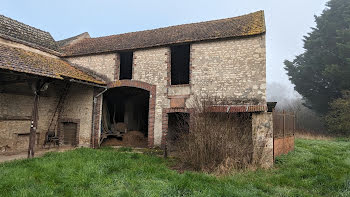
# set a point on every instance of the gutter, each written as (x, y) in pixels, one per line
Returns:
(87, 83)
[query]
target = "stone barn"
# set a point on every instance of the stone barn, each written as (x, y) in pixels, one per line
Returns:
(130, 86)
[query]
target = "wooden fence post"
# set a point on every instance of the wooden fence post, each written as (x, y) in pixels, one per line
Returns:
(294, 122)
(284, 122)
(284, 131)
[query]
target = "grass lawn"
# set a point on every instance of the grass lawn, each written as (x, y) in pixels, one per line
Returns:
(316, 168)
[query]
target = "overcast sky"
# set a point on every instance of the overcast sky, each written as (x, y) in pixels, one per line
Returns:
(287, 21)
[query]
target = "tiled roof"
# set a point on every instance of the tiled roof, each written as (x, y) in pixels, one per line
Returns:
(21, 60)
(246, 25)
(19, 32)
(64, 42)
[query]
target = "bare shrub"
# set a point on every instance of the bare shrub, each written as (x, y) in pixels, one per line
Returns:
(306, 119)
(312, 135)
(216, 142)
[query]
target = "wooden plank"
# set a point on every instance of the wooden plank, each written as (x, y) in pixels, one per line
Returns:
(15, 118)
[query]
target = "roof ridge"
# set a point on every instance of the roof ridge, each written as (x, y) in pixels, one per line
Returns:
(72, 37)
(20, 32)
(233, 27)
(25, 24)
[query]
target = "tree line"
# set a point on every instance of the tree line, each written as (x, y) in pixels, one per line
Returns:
(321, 74)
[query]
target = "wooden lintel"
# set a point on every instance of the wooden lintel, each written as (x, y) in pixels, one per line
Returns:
(15, 118)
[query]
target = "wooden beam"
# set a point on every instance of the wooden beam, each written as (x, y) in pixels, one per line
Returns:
(34, 123)
(36, 87)
(12, 82)
(15, 118)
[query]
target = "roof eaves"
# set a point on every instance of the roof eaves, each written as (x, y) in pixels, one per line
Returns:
(158, 45)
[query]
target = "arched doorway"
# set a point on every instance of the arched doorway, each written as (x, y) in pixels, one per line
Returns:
(128, 110)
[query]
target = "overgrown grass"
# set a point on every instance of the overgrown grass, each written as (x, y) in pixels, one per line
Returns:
(316, 168)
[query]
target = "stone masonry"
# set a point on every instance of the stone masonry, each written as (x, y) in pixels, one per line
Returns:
(227, 63)
(232, 70)
(262, 128)
(13, 132)
(104, 64)
(150, 66)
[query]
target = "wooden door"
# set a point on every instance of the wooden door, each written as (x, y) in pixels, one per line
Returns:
(69, 133)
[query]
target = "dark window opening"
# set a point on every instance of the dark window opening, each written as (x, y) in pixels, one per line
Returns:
(125, 65)
(178, 125)
(180, 64)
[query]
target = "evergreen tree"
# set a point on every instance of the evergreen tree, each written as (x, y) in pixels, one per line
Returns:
(338, 119)
(322, 72)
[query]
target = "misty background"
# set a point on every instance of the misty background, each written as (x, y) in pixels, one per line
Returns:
(286, 23)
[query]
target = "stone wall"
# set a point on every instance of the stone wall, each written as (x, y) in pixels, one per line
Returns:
(17, 109)
(104, 64)
(232, 69)
(78, 105)
(150, 66)
(262, 128)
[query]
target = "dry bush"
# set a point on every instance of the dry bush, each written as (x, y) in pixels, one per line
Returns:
(216, 142)
(312, 135)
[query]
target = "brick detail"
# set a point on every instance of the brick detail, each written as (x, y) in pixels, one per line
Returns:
(150, 67)
(168, 63)
(238, 108)
(165, 120)
(96, 121)
(282, 145)
(152, 102)
(117, 67)
(177, 102)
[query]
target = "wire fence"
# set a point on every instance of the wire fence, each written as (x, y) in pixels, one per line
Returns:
(283, 124)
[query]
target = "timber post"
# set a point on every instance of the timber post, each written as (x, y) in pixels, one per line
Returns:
(37, 87)
(34, 119)
(33, 126)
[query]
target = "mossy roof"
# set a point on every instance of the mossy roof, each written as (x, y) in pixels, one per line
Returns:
(16, 31)
(21, 60)
(246, 25)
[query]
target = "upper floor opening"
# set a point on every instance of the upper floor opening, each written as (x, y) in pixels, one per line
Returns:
(180, 64)
(126, 61)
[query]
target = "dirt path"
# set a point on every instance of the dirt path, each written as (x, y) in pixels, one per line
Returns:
(38, 153)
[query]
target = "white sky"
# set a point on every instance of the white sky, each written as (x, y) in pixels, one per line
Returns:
(287, 21)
